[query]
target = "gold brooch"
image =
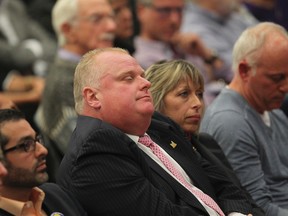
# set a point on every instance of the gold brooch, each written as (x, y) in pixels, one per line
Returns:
(173, 144)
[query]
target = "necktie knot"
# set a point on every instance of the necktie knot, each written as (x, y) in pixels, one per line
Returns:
(146, 140)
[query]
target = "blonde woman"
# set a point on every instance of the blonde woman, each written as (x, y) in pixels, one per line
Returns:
(177, 89)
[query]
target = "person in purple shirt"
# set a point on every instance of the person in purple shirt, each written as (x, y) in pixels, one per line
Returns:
(160, 39)
(219, 25)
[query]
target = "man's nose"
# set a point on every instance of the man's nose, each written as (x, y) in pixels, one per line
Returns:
(40, 149)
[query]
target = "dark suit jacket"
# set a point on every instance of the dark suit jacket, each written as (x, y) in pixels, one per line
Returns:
(56, 200)
(212, 152)
(110, 175)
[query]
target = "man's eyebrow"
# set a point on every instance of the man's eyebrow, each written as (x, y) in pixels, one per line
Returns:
(26, 138)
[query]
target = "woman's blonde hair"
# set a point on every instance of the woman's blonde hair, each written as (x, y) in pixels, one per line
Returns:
(166, 75)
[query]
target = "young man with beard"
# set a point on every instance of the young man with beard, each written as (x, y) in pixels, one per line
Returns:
(24, 158)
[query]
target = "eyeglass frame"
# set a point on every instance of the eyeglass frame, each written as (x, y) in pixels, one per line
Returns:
(31, 143)
(165, 11)
(96, 18)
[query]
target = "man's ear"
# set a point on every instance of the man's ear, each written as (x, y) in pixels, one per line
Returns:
(90, 96)
(67, 30)
(244, 70)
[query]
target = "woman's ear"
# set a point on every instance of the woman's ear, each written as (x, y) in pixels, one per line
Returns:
(90, 96)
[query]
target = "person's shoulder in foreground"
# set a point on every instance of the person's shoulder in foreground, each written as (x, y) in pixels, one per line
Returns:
(246, 120)
(57, 200)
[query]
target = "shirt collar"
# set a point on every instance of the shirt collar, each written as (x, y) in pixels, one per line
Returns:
(16, 207)
(67, 55)
(266, 118)
(133, 137)
(159, 45)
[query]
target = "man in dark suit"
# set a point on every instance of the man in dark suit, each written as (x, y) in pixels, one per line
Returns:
(112, 173)
(24, 158)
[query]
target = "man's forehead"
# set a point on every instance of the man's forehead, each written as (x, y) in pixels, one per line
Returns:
(14, 125)
(117, 3)
(96, 6)
(168, 2)
(112, 56)
(16, 130)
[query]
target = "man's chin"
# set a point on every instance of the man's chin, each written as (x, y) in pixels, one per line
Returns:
(148, 107)
(276, 104)
(42, 177)
(105, 44)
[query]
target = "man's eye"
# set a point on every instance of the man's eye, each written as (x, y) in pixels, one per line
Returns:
(128, 78)
(277, 78)
(27, 145)
(120, 9)
(97, 18)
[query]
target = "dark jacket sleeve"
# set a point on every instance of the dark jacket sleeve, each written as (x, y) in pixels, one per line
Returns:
(57, 200)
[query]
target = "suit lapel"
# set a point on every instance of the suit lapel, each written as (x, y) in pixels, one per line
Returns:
(183, 153)
(153, 167)
(182, 192)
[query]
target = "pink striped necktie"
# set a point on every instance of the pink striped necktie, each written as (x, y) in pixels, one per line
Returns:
(147, 141)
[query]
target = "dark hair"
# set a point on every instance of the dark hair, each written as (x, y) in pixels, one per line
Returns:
(10, 115)
(5, 116)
